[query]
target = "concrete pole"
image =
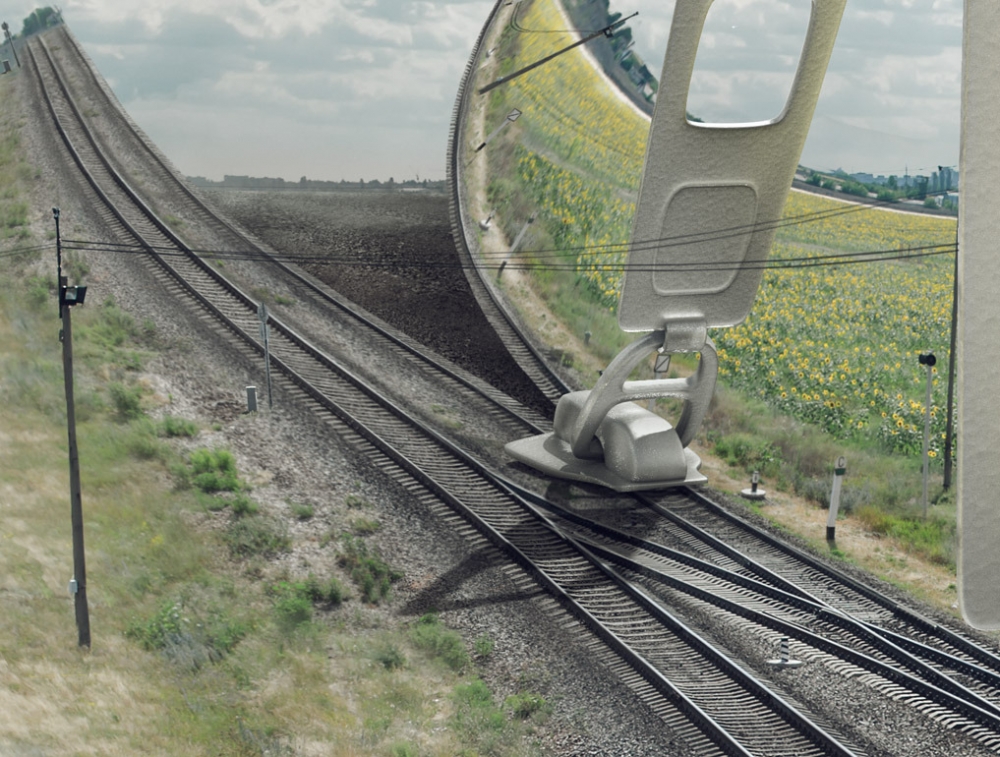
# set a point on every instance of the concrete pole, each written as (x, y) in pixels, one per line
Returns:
(78, 584)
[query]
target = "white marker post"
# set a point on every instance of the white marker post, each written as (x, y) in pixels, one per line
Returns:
(838, 475)
(754, 492)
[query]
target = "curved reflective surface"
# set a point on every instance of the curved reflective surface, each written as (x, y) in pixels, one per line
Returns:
(547, 162)
(551, 134)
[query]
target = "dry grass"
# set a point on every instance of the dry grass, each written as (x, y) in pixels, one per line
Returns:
(319, 689)
(882, 556)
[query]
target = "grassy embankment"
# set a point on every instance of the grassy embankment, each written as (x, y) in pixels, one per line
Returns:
(200, 645)
(826, 363)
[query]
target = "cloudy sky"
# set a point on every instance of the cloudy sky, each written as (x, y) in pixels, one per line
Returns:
(334, 89)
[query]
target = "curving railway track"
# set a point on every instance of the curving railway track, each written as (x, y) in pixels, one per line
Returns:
(716, 705)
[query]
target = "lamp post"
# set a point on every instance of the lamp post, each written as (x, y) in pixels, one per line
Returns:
(68, 297)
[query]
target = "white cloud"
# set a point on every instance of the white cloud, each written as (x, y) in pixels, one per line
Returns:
(251, 18)
(366, 79)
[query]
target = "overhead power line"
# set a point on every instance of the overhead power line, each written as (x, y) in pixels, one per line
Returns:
(363, 259)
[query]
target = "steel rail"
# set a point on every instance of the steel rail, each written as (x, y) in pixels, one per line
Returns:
(686, 575)
(930, 629)
(315, 287)
(948, 638)
(943, 697)
(348, 416)
(933, 630)
(903, 651)
(496, 310)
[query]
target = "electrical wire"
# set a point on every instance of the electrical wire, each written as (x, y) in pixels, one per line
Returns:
(25, 250)
(701, 237)
(356, 259)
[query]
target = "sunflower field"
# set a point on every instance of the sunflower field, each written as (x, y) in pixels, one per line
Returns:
(834, 345)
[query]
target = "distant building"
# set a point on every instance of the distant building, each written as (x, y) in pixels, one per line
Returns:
(943, 180)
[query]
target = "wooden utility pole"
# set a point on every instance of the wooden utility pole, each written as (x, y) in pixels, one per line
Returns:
(78, 585)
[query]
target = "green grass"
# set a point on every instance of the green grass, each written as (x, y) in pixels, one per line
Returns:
(370, 573)
(301, 511)
(126, 400)
(192, 653)
(172, 427)
(441, 642)
(211, 470)
(256, 536)
(364, 526)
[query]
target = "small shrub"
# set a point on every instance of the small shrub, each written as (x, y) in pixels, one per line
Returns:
(141, 441)
(113, 328)
(365, 526)
(172, 426)
(214, 470)
(294, 600)
(292, 606)
(355, 502)
(932, 538)
(476, 715)
(186, 639)
(243, 505)
(331, 592)
(445, 644)
(41, 290)
(255, 535)
(368, 570)
(404, 750)
(75, 268)
(127, 401)
(223, 634)
(152, 634)
(748, 452)
(526, 705)
(302, 512)
(484, 646)
(390, 657)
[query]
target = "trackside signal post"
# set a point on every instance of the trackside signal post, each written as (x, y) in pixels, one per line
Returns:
(697, 179)
(6, 32)
(68, 297)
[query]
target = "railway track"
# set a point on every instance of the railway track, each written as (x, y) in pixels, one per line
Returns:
(499, 313)
(697, 691)
(724, 538)
(435, 464)
(155, 174)
(950, 682)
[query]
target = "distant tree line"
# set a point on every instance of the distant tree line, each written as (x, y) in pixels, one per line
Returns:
(253, 182)
(40, 19)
